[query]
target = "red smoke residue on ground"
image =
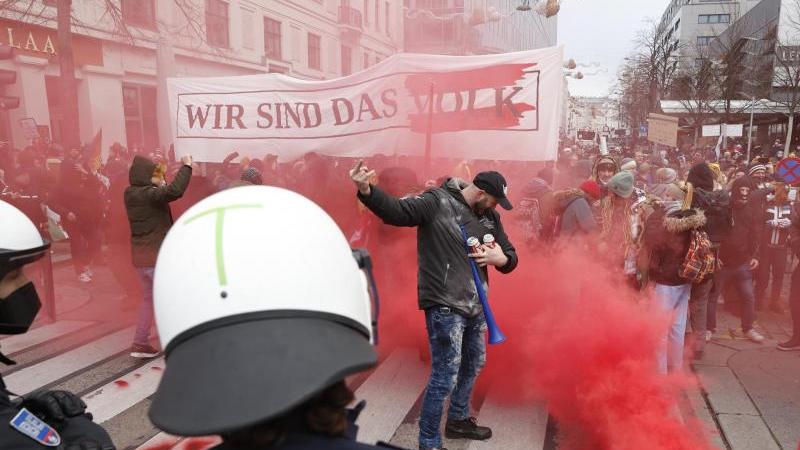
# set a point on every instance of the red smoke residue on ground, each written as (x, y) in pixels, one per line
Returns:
(121, 383)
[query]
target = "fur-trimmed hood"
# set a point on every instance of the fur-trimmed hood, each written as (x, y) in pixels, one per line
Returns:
(684, 220)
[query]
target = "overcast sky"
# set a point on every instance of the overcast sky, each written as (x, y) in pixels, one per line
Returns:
(598, 34)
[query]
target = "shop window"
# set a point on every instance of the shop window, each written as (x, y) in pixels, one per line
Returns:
(140, 13)
(141, 123)
(52, 86)
(217, 23)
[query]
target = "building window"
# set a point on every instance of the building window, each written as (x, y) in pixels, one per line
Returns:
(141, 125)
(704, 40)
(347, 60)
(386, 11)
(377, 15)
(217, 23)
(366, 60)
(714, 18)
(365, 13)
(272, 38)
(141, 13)
(314, 51)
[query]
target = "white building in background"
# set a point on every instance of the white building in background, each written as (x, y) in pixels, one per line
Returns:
(118, 63)
(468, 27)
(687, 27)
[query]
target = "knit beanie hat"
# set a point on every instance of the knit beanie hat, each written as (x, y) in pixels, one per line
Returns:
(592, 189)
(701, 176)
(604, 161)
(756, 168)
(628, 164)
(621, 184)
(252, 175)
(667, 191)
(665, 175)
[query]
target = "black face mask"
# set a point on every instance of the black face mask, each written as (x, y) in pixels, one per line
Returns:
(18, 310)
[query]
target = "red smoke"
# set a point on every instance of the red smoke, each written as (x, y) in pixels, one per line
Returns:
(578, 339)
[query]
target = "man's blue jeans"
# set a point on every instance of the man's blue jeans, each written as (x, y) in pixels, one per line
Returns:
(458, 353)
(742, 279)
(142, 336)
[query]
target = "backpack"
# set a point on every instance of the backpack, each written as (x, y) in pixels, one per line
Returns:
(700, 260)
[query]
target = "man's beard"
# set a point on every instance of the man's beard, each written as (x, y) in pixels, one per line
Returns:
(481, 206)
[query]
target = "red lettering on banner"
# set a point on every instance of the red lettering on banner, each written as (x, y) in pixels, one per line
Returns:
(463, 114)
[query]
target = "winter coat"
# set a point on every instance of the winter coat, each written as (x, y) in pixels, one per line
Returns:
(666, 239)
(575, 213)
(717, 207)
(148, 209)
(71, 430)
(80, 194)
(444, 274)
(772, 235)
(742, 244)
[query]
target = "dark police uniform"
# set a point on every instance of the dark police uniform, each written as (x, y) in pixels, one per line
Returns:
(76, 431)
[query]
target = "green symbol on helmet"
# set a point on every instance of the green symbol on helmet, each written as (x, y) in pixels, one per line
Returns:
(220, 213)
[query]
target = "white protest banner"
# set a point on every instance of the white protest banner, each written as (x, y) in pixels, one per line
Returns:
(731, 130)
(711, 130)
(502, 106)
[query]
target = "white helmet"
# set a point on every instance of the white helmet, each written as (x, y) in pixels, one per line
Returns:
(259, 304)
(20, 240)
(20, 244)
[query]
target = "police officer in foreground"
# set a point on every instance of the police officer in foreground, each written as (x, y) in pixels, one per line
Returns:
(43, 419)
(261, 318)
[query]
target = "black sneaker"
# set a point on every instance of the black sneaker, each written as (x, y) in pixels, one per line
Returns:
(466, 429)
(793, 345)
(143, 351)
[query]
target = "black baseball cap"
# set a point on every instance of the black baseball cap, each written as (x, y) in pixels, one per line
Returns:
(495, 185)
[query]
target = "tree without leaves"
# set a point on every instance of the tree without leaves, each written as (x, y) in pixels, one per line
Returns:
(786, 75)
(693, 87)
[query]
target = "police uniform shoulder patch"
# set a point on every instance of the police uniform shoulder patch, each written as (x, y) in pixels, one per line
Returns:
(33, 427)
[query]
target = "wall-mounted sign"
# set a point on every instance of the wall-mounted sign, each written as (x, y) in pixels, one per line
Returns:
(39, 41)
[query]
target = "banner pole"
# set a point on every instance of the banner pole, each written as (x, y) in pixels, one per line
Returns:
(428, 133)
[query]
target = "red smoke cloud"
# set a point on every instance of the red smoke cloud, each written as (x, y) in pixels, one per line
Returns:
(578, 339)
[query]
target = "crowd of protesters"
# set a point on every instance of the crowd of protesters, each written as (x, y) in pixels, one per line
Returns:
(652, 200)
(697, 226)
